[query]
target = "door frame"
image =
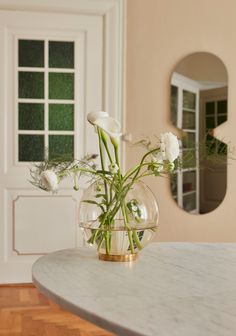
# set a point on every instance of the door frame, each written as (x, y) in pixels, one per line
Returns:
(112, 12)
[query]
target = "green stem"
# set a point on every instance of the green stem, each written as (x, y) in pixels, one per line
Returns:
(102, 162)
(136, 239)
(128, 228)
(107, 150)
(116, 149)
(137, 169)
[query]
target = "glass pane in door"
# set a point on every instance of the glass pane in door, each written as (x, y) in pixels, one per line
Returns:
(40, 116)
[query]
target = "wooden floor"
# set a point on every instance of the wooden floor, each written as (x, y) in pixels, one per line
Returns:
(26, 312)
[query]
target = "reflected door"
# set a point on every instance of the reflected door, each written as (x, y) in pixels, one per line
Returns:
(213, 180)
(185, 116)
(51, 70)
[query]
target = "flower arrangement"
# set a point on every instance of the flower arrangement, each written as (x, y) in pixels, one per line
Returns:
(113, 201)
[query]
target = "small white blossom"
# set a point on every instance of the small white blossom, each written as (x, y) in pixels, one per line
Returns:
(49, 180)
(169, 146)
(113, 168)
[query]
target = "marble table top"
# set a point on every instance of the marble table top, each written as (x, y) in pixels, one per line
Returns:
(173, 289)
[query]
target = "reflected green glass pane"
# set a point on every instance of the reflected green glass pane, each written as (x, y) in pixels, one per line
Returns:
(61, 117)
(61, 145)
(189, 140)
(221, 148)
(31, 147)
(189, 100)
(61, 54)
(173, 184)
(210, 108)
(31, 84)
(174, 104)
(222, 106)
(221, 119)
(211, 143)
(31, 53)
(189, 181)
(31, 116)
(61, 86)
(210, 123)
(189, 120)
(189, 202)
(189, 159)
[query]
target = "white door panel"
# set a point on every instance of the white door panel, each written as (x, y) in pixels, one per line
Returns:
(31, 221)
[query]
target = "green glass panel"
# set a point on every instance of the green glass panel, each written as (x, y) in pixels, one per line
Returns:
(31, 53)
(189, 100)
(174, 104)
(31, 84)
(189, 140)
(189, 181)
(210, 144)
(61, 86)
(222, 106)
(61, 54)
(61, 117)
(61, 146)
(31, 116)
(221, 119)
(189, 119)
(210, 108)
(221, 148)
(189, 202)
(210, 122)
(31, 147)
(189, 159)
(173, 184)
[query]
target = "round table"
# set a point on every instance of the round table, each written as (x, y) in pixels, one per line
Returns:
(172, 289)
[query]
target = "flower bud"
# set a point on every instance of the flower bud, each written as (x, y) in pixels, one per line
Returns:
(113, 168)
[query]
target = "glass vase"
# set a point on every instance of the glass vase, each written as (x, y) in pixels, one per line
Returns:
(118, 227)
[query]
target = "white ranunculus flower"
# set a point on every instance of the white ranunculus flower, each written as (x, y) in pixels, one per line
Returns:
(93, 116)
(110, 126)
(169, 146)
(49, 180)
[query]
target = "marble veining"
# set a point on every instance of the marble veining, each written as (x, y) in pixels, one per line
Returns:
(173, 289)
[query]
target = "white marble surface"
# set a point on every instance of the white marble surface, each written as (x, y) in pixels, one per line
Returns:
(173, 289)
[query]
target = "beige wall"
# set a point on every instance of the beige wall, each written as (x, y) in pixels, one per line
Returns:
(159, 34)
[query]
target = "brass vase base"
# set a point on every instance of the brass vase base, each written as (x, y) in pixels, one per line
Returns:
(118, 257)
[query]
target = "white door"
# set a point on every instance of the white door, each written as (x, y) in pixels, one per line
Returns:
(51, 70)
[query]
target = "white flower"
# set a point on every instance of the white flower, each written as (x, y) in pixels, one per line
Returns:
(169, 146)
(49, 180)
(93, 116)
(113, 168)
(110, 126)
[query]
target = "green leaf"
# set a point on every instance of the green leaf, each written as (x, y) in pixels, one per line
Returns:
(100, 195)
(104, 172)
(95, 203)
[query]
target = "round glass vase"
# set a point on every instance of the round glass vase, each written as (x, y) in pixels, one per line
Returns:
(118, 229)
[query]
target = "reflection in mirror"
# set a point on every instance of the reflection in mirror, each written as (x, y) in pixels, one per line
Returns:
(198, 106)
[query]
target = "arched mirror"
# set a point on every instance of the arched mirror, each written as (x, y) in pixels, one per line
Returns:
(199, 105)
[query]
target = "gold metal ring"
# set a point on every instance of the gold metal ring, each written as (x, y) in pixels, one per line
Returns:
(118, 257)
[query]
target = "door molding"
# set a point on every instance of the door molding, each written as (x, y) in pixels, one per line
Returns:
(112, 12)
